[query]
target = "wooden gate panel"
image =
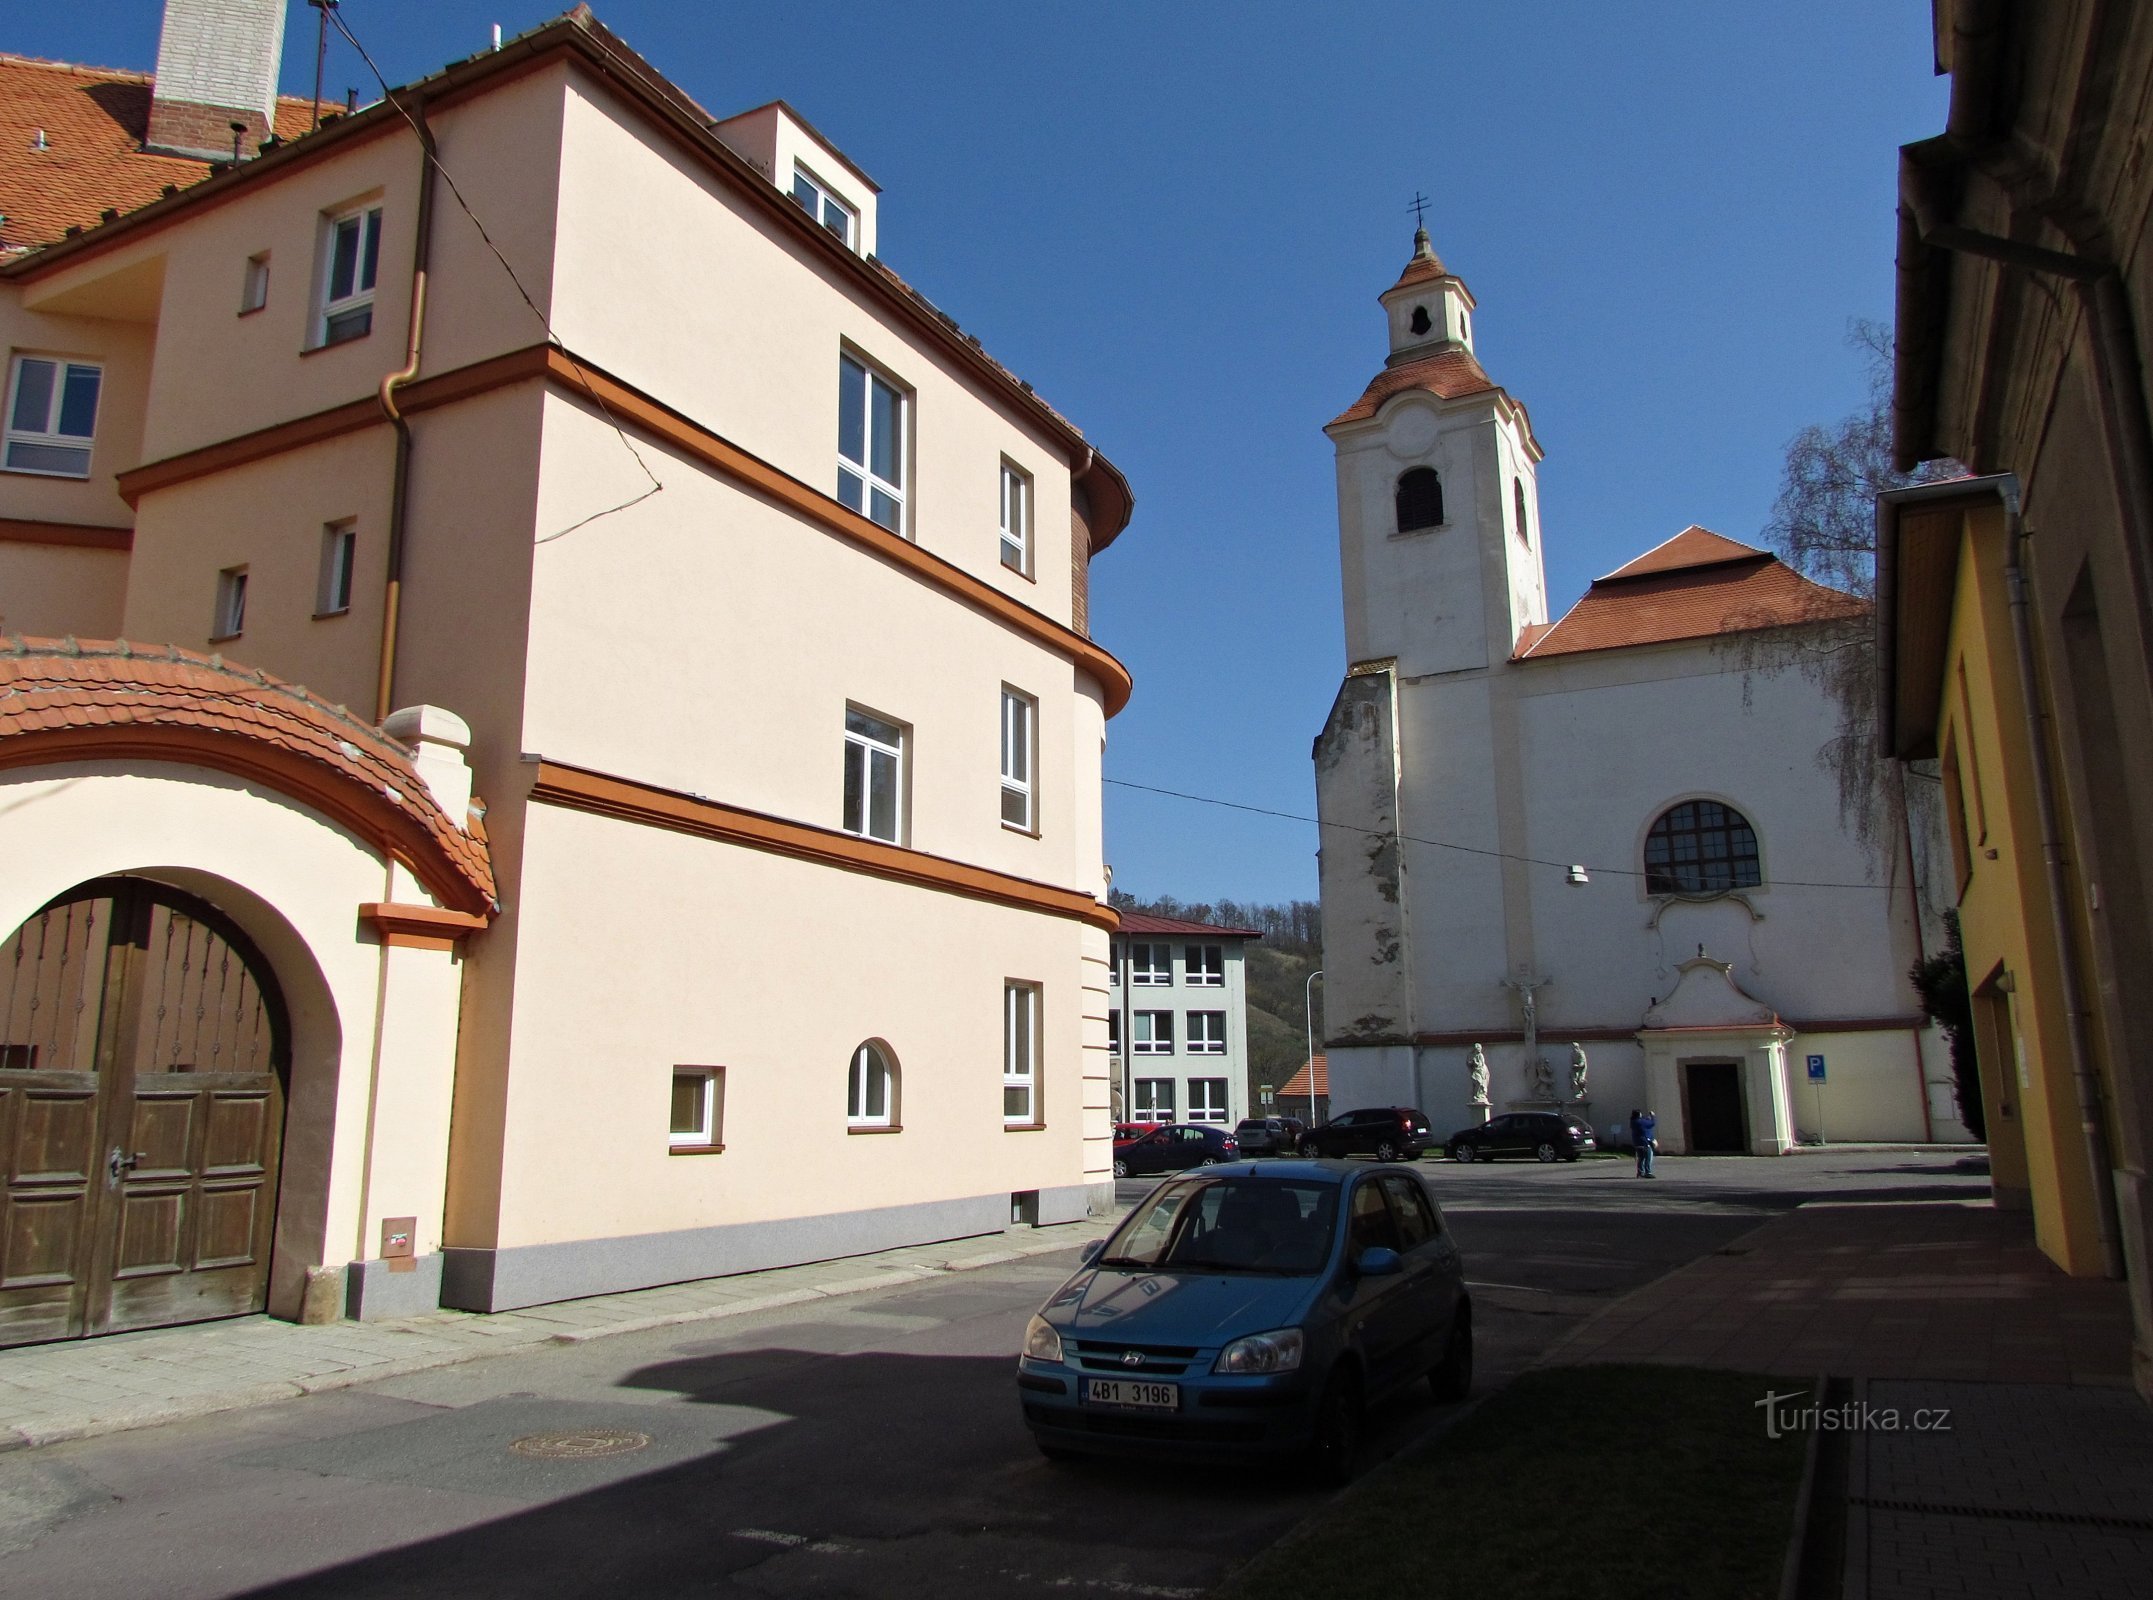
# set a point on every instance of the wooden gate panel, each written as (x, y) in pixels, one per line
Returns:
(48, 1131)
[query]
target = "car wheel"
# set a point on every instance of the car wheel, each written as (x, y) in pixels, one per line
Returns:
(1208, 1161)
(1546, 1152)
(1309, 1152)
(1462, 1152)
(1336, 1448)
(1386, 1151)
(1121, 1168)
(1452, 1379)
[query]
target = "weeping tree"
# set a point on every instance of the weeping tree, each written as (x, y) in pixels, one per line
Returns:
(1940, 980)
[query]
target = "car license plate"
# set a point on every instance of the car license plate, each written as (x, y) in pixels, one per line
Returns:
(1132, 1393)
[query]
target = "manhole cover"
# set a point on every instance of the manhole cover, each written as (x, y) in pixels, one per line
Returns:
(579, 1444)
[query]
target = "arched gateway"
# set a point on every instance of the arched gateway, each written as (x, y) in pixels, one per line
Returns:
(144, 1060)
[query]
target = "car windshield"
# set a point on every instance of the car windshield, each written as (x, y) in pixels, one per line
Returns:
(1231, 1225)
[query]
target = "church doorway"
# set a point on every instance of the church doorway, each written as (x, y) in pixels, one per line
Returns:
(144, 1058)
(1712, 1108)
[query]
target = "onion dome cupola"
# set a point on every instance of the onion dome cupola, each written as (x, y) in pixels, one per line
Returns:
(1430, 307)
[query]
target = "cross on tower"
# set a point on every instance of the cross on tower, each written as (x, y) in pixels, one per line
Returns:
(1419, 209)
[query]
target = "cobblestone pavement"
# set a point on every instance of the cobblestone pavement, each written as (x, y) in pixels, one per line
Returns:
(81, 1388)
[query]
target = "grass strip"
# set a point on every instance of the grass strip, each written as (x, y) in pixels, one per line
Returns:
(1577, 1483)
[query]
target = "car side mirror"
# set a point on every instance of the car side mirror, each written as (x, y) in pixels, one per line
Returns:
(1378, 1261)
(1091, 1252)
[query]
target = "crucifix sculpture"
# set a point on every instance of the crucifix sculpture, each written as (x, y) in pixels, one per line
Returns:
(1540, 1082)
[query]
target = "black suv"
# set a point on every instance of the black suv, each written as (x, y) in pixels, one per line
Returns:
(1546, 1135)
(1270, 1136)
(1389, 1133)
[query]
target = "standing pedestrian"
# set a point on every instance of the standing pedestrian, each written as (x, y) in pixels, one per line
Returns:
(1643, 1124)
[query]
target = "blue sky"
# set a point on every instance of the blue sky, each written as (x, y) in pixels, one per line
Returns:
(1174, 218)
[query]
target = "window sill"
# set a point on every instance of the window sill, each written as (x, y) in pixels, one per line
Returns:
(340, 611)
(254, 311)
(1019, 572)
(1012, 827)
(336, 344)
(695, 1150)
(225, 638)
(1024, 1127)
(33, 472)
(875, 1127)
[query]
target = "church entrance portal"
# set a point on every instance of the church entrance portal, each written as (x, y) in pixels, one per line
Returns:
(1717, 1121)
(144, 1052)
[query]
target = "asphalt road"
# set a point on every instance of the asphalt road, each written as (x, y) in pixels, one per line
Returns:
(867, 1446)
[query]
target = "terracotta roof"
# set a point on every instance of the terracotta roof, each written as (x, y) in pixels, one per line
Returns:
(1297, 1086)
(1424, 266)
(1697, 585)
(93, 119)
(63, 700)
(1140, 922)
(1450, 373)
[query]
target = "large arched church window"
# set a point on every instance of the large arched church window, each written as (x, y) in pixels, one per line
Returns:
(1701, 847)
(1420, 500)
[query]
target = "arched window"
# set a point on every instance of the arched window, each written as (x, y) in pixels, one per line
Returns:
(1517, 499)
(871, 1095)
(1701, 847)
(1420, 500)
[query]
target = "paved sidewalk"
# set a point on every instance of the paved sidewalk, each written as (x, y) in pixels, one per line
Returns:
(83, 1387)
(1999, 1448)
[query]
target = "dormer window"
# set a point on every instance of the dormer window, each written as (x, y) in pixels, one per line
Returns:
(815, 198)
(1420, 500)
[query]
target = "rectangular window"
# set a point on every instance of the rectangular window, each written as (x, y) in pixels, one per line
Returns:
(1020, 714)
(231, 616)
(874, 777)
(870, 444)
(254, 286)
(339, 548)
(1113, 1032)
(1207, 1033)
(698, 1109)
(1151, 966)
(1206, 966)
(1016, 520)
(1962, 851)
(1020, 1055)
(1154, 1033)
(1154, 1100)
(817, 201)
(1207, 1099)
(351, 258)
(52, 415)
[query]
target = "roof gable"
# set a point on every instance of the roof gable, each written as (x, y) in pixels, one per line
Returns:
(1692, 547)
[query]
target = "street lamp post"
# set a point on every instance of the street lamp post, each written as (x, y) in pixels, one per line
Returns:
(1308, 1015)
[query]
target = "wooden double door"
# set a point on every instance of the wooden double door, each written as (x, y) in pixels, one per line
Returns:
(144, 1055)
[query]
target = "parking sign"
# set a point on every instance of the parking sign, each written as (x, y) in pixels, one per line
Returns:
(1816, 1069)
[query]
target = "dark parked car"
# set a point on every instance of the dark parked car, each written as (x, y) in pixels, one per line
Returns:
(1270, 1136)
(1259, 1307)
(1547, 1135)
(1125, 1131)
(1174, 1148)
(1389, 1133)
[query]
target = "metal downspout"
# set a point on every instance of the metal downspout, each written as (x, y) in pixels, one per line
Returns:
(400, 482)
(2092, 1128)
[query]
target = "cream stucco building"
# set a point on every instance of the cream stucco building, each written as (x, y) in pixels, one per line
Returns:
(1607, 830)
(742, 589)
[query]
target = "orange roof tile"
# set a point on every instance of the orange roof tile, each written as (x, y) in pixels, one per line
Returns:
(63, 700)
(1318, 1067)
(93, 120)
(1144, 922)
(1698, 585)
(1450, 374)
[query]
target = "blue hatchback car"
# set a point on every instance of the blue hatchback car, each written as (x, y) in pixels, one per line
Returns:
(1256, 1307)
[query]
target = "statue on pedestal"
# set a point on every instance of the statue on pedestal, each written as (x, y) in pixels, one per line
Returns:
(1577, 1070)
(1478, 1065)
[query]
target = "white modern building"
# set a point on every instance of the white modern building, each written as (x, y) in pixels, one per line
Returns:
(1733, 953)
(1177, 1023)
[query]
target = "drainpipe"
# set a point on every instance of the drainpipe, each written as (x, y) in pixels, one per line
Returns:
(2092, 1129)
(399, 494)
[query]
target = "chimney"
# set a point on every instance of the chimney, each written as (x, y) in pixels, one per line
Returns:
(217, 63)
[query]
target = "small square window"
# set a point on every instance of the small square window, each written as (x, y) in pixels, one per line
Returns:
(874, 777)
(1206, 966)
(1151, 966)
(351, 260)
(1207, 1099)
(1207, 1033)
(698, 1109)
(339, 548)
(52, 415)
(1020, 716)
(1154, 1033)
(1155, 1100)
(231, 616)
(816, 199)
(1016, 519)
(254, 286)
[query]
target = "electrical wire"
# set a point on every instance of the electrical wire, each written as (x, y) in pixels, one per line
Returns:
(590, 389)
(1446, 844)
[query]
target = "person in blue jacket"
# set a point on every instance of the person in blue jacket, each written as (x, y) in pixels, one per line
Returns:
(1643, 1124)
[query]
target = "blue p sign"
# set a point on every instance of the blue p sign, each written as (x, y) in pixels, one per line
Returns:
(1816, 1069)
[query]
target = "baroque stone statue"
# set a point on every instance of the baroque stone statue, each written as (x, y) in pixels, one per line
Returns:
(1479, 1067)
(1577, 1070)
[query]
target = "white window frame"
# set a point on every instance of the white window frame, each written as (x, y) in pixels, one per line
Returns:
(1020, 1053)
(1148, 1099)
(1206, 970)
(339, 555)
(230, 620)
(330, 306)
(821, 202)
(1020, 761)
(867, 483)
(48, 436)
(1211, 1039)
(1016, 519)
(1160, 1043)
(709, 1132)
(871, 1058)
(1142, 973)
(1214, 1093)
(254, 284)
(862, 748)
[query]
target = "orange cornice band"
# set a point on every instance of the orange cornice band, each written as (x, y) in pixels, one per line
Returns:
(660, 422)
(80, 535)
(419, 927)
(628, 801)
